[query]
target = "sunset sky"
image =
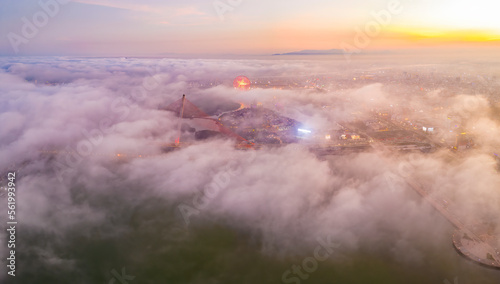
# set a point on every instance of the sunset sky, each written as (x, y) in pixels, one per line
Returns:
(161, 27)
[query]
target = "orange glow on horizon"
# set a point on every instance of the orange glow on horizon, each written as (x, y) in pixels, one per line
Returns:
(443, 35)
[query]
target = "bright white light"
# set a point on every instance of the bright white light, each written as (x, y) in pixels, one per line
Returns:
(305, 131)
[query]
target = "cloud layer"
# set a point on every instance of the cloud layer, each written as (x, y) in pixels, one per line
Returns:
(283, 199)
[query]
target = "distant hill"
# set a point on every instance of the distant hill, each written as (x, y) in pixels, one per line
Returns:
(313, 52)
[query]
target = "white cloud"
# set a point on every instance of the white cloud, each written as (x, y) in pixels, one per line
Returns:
(285, 197)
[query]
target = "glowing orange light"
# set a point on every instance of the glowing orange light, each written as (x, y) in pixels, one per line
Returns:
(242, 83)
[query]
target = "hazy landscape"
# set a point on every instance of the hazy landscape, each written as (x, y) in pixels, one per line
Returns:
(249, 142)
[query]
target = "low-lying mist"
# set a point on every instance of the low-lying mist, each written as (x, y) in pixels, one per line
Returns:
(96, 192)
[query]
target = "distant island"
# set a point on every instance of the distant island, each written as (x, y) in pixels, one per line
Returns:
(313, 52)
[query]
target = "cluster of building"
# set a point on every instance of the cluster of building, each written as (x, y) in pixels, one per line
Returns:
(261, 125)
(429, 122)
